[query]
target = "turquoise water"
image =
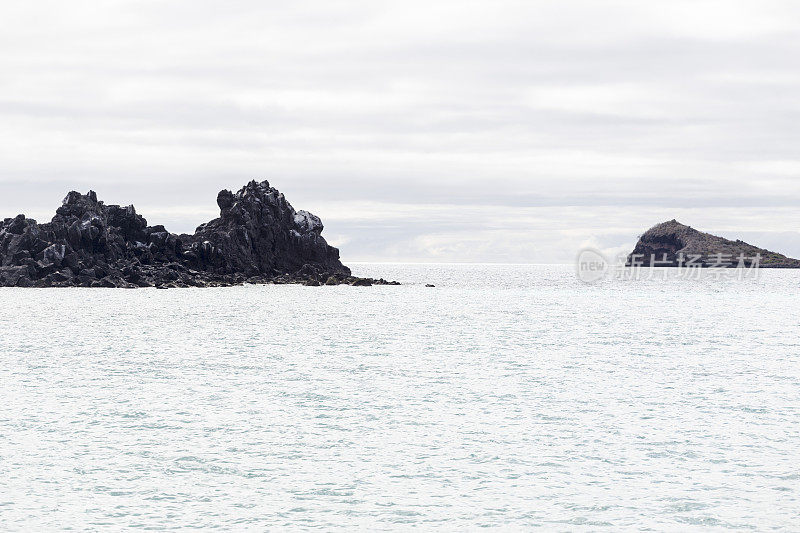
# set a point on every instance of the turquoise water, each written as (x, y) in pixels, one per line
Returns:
(513, 397)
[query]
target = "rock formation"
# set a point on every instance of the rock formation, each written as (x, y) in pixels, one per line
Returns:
(673, 244)
(258, 238)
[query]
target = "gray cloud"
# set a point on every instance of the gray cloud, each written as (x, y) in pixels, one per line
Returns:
(591, 116)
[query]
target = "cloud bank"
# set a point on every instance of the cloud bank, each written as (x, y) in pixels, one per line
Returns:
(511, 131)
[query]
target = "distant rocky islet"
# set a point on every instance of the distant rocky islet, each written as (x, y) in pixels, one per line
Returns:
(672, 244)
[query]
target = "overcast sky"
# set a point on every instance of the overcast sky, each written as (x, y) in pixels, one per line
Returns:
(501, 131)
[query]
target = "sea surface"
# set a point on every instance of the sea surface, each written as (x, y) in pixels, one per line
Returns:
(509, 396)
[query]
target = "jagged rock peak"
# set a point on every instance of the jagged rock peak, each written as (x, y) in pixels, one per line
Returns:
(74, 197)
(256, 195)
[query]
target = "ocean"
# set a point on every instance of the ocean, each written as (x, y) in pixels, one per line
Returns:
(508, 396)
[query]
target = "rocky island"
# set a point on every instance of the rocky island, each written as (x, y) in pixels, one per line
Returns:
(672, 244)
(258, 238)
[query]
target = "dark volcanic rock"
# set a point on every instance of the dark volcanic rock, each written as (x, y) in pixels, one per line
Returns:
(674, 244)
(259, 232)
(258, 238)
